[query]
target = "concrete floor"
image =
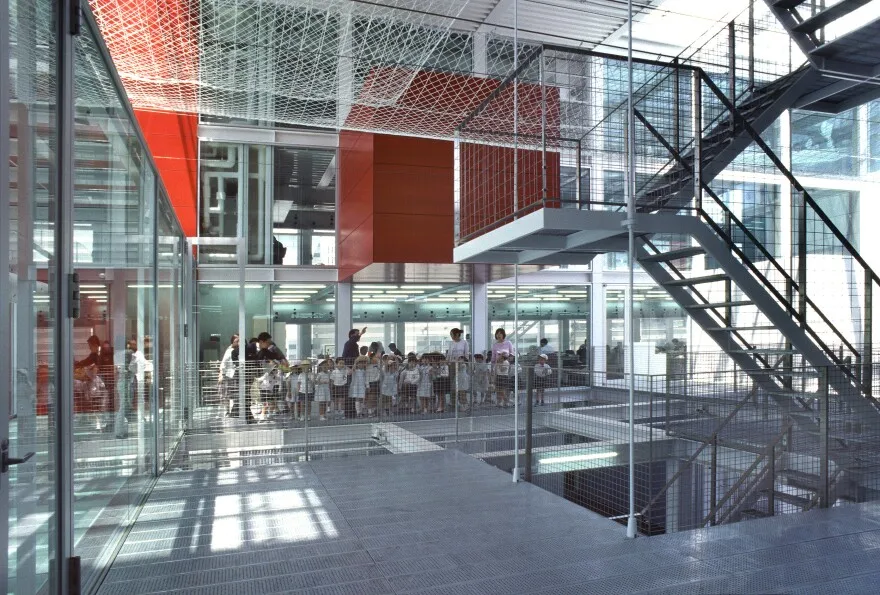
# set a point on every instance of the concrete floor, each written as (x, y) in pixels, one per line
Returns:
(443, 522)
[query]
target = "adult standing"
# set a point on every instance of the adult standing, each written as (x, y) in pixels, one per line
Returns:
(392, 347)
(351, 351)
(501, 344)
(226, 384)
(458, 348)
(547, 348)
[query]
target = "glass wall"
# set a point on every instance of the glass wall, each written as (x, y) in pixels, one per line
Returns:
(281, 199)
(416, 318)
(558, 313)
(31, 348)
(124, 355)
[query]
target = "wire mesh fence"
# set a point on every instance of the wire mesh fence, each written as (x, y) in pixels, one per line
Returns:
(711, 447)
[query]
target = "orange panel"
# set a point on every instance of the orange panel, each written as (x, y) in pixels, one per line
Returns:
(172, 139)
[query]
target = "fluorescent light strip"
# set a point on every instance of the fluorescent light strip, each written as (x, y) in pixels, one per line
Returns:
(298, 286)
(575, 458)
(235, 286)
(376, 287)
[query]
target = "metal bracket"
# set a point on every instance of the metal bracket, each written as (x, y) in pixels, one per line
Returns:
(73, 295)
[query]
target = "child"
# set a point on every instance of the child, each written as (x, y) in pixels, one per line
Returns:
(339, 385)
(304, 388)
(542, 375)
(440, 372)
(358, 388)
(425, 391)
(389, 382)
(322, 388)
(515, 369)
(374, 374)
(410, 379)
(502, 378)
(462, 382)
(480, 380)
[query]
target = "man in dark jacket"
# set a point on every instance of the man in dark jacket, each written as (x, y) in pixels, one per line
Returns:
(351, 350)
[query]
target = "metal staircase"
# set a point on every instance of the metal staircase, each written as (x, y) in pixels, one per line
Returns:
(844, 68)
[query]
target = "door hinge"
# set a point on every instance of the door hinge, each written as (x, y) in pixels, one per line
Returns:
(75, 16)
(74, 576)
(73, 295)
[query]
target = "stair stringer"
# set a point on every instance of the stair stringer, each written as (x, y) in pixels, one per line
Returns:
(742, 139)
(755, 291)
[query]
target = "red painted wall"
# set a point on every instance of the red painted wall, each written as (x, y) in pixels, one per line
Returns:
(395, 201)
(173, 141)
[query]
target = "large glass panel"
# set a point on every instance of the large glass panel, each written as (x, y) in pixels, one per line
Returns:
(416, 318)
(114, 338)
(31, 345)
(553, 319)
(304, 320)
(824, 145)
(304, 207)
(222, 176)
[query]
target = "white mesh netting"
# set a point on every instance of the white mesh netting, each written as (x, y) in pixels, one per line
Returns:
(394, 66)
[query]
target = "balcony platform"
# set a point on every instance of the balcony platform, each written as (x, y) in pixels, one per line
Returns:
(441, 522)
(562, 236)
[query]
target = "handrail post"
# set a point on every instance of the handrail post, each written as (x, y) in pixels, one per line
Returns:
(867, 335)
(543, 132)
(713, 488)
(731, 51)
(802, 259)
(751, 45)
(530, 375)
(676, 112)
(823, 438)
(698, 140)
(771, 494)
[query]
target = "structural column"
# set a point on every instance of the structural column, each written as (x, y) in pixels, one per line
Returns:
(343, 314)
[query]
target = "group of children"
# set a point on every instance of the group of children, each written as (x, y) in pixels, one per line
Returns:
(376, 385)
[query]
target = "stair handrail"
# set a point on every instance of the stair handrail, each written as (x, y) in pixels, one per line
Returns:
(789, 307)
(788, 174)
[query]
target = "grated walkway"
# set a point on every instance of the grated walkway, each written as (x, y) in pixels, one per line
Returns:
(442, 522)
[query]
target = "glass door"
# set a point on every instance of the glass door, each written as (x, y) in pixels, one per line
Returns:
(28, 200)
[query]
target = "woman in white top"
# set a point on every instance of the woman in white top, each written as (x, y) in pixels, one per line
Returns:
(501, 344)
(458, 348)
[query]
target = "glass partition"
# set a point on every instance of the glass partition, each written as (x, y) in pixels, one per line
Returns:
(281, 199)
(31, 348)
(415, 318)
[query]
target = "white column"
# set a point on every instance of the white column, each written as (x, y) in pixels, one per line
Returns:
(598, 322)
(343, 314)
(479, 310)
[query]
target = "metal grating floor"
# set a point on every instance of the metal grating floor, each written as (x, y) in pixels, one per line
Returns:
(442, 522)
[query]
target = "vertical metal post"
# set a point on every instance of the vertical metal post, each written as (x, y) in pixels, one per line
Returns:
(868, 334)
(154, 331)
(788, 360)
(578, 191)
(731, 58)
(698, 141)
(823, 438)
(630, 224)
(515, 375)
(530, 382)
(308, 409)
(751, 45)
(543, 131)
(713, 488)
(67, 23)
(515, 108)
(771, 493)
(676, 111)
(802, 259)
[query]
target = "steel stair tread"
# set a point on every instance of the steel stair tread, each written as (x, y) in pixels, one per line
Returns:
(715, 305)
(794, 499)
(674, 254)
(765, 351)
(697, 280)
(741, 328)
(788, 4)
(829, 15)
(800, 479)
